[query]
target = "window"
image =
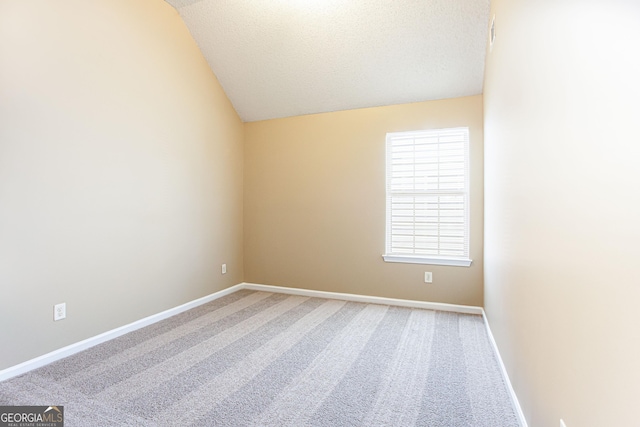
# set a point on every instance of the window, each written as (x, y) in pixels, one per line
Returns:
(428, 197)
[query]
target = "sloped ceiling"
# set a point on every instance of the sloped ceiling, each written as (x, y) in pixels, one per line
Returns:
(280, 58)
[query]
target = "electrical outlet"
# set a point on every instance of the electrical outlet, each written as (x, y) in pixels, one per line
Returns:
(59, 311)
(224, 268)
(428, 277)
(562, 424)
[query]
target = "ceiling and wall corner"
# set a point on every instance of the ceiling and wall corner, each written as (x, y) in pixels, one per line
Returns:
(281, 58)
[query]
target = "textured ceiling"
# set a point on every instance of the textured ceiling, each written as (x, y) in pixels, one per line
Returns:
(279, 58)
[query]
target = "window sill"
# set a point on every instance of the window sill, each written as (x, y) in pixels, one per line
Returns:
(459, 262)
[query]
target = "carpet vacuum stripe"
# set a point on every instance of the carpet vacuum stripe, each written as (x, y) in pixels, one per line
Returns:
(203, 321)
(222, 386)
(343, 406)
(397, 400)
(176, 366)
(308, 390)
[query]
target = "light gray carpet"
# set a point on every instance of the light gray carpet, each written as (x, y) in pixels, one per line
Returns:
(263, 359)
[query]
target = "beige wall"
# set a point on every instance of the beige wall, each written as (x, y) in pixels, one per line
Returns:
(315, 202)
(562, 203)
(120, 170)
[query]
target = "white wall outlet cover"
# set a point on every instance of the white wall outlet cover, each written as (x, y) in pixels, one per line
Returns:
(428, 277)
(224, 268)
(59, 311)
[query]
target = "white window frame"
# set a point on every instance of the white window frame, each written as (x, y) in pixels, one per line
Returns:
(400, 255)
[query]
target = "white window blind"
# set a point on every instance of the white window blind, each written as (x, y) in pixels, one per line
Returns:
(428, 197)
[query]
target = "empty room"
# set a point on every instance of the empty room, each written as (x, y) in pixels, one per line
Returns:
(319, 213)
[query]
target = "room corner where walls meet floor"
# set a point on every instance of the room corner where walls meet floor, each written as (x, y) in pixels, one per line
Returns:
(53, 356)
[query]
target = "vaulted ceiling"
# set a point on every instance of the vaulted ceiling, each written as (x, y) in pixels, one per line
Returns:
(280, 58)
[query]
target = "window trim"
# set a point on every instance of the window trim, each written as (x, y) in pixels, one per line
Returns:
(462, 261)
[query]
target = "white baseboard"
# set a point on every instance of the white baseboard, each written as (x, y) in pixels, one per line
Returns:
(505, 375)
(466, 309)
(63, 352)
